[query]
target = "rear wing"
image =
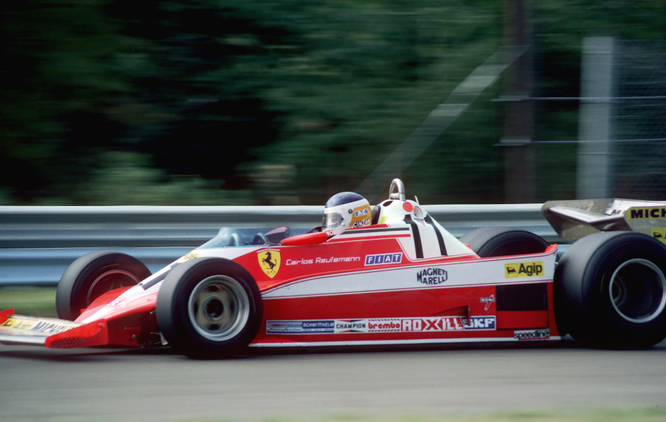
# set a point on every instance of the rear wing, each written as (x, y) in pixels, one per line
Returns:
(575, 219)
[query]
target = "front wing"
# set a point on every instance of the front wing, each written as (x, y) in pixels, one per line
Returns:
(51, 332)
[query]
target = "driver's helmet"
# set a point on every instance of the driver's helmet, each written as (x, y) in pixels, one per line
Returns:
(344, 210)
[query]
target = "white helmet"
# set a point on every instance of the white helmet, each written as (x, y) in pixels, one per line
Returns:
(344, 210)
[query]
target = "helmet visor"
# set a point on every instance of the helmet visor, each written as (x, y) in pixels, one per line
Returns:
(331, 220)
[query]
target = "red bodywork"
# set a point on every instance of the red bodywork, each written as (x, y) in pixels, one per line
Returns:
(382, 284)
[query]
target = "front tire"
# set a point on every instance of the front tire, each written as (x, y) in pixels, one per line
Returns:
(92, 275)
(611, 290)
(209, 308)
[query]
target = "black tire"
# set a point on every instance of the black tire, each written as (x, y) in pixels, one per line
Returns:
(92, 275)
(611, 290)
(209, 308)
(502, 241)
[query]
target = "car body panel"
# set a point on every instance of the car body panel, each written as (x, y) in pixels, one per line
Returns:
(405, 280)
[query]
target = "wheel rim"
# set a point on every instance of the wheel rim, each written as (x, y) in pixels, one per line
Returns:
(108, 281)
(219, 308)
(638, 290)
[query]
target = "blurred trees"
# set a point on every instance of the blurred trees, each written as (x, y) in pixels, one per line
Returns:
(256, 102)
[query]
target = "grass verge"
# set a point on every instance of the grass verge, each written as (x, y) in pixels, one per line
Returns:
(34, 301)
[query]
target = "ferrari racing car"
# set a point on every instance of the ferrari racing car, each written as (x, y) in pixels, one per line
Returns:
(388, 275)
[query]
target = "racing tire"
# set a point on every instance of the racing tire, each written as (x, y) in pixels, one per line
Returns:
(209, 308)
(92, 275)
(610, 290)
(502, 241)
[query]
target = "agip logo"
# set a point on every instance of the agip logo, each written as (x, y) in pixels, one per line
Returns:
(269, 261)
(523, 269)
(659, 234)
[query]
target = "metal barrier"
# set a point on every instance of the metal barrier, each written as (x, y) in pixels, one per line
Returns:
(38, 243)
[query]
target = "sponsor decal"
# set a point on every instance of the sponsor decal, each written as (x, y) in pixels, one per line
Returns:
(322, 260)
(488, 301)
(300, 327)
(532, 335)
(269, 261)
(190, 256)
(118, 302)
(383, 325)
(659, 234)
(646, 213)
(361, 216)
(523, 269)
(351, 326)
(383, 258)
(37, 326)
(432, 276)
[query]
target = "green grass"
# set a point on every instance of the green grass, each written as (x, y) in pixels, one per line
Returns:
(35, 301)
(652, 414)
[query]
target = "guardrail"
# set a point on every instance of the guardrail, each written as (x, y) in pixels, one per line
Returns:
(38, 243)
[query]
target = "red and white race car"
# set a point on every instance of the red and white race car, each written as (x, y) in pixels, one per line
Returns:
(401, 280)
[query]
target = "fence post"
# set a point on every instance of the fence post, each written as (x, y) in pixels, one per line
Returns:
(594, 178)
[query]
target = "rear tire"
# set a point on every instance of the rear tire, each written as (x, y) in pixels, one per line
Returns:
(502, 241)
(92, 275)
(611, 290)
(209, 308)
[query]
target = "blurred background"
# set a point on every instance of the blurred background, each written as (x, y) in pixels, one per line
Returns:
(253, 102)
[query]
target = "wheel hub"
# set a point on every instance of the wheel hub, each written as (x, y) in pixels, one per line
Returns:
(638, 290)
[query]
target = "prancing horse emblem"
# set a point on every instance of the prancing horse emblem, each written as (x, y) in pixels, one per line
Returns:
(269, 261)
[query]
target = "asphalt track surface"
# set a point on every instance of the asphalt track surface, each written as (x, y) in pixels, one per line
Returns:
(37, 384)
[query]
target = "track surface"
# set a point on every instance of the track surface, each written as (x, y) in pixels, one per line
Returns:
(111, 385)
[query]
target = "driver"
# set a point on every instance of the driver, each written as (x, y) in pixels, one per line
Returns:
(345, 210)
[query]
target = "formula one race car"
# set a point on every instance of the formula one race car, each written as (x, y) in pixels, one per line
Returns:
(402, 279)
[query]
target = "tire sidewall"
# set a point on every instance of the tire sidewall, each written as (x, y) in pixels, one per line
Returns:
(172, 308)
(584, 276)
(77, 280)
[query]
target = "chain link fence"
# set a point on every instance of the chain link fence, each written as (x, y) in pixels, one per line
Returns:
(639, 125)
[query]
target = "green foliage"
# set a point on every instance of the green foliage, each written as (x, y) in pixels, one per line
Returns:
(219, 101)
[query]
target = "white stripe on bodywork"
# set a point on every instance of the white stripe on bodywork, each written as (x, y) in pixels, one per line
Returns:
(398, 342)
(471, 273)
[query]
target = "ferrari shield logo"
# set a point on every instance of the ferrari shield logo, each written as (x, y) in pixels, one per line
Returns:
(269, 261)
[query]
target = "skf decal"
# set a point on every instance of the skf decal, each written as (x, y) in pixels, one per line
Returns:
(269, 261)
(659, 234)
(532, 335)
(383, 258)
(523, 269)
(432, 276)
(646, 213)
